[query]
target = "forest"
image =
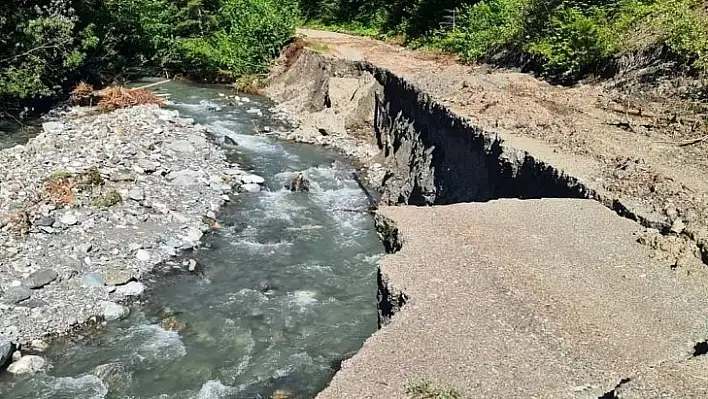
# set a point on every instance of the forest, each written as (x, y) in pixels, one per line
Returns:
(47, 46)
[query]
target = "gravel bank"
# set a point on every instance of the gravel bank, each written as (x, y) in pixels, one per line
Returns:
(89, 207)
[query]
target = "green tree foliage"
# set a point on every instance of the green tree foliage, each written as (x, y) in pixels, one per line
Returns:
(562, 39)
(47, 45)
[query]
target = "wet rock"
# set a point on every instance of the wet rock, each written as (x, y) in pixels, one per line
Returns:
(133, 288)
(171, 323)
(28, 364)
(116, 275)
(39, 345)
(250, 188)
(40, 278)
(6, 349)
(299, 183)
(252, 179)
(229, 141)
(112, 374)
(112, 311)
(16, 294)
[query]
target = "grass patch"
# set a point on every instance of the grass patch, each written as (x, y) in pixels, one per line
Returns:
(108, 199)
(91, 177)
(426, 389)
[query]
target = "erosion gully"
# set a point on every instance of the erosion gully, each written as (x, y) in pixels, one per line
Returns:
(289, 286)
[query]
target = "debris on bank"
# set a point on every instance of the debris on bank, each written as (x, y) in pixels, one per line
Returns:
(92, 205)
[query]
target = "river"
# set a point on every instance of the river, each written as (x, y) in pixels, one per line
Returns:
(289, 286)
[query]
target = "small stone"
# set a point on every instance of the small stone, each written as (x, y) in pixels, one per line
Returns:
(143, 255)
(133, 288)
(133, 246)
(148, 166)
(92, 280)
(116, 275)
(250, 188)
(136, 194)
(46, 221)
(6, 348)
(138, 169)
(186, 177)
(69, 219)
(28, 364)
(83, 248)
(226, 197)
(252, 179)
(678, 226)
(16, 355)
(16, 294)
(40, 278)
(192, 265)
(46, 229)
(211, 215)
(181, 146)
(112, 311)
(52, 127)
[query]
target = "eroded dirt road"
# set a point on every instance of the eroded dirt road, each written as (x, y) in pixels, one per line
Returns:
(653, 160)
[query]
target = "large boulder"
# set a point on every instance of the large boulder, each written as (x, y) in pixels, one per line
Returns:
(28, 364)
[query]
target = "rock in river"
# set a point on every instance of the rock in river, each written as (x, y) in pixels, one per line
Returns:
(113, 311)
(6, 348)
(299, 183)
(133, 288)
(28, 364)
(251, 188)
(40, 278)
(252, 179)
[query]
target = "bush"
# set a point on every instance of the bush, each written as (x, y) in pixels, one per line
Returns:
(46, 46)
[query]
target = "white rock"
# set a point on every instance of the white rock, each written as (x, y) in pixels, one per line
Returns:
(187, 177)
(252, 179)
(251, 188)
(52, 127)
(29, 364)
(133, 288)
(113, 311)
(69, 219)
(136, 194)
(143, 255)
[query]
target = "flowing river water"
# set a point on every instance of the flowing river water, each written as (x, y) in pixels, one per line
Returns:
(289, 287)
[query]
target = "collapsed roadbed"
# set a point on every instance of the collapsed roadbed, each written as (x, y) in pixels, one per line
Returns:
(542, 297)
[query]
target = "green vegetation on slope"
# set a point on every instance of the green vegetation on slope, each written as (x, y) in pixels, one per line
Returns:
(46, 46)
(562, 39)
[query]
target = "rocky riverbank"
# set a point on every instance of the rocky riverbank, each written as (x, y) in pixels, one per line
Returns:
(92, 205)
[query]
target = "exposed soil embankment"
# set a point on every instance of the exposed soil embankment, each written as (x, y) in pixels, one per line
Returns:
(383, 105)
(418, 151)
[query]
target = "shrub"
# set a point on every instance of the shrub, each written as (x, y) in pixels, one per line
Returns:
(425, 389)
